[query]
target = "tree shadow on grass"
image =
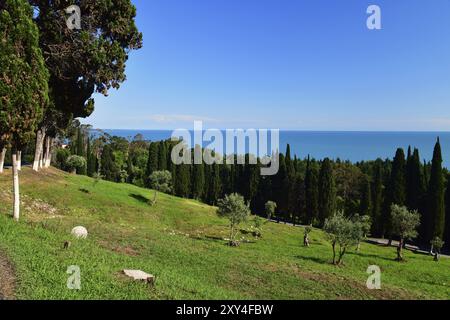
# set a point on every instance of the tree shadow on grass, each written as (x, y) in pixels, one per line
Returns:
(140, 198)
(374, 256)
(315, 259)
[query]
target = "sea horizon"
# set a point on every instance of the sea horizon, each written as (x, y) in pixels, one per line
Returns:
(354, 146)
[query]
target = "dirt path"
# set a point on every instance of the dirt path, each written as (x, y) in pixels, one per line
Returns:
(7, 279)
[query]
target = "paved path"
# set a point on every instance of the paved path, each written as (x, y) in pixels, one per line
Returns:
(376, 241)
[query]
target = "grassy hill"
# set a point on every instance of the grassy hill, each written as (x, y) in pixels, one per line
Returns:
(181, 242)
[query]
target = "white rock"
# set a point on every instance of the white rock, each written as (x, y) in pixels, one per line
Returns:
(80, 232)
(139, 275)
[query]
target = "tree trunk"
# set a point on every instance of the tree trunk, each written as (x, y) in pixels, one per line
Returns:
(48, 157)
(19, 160)
(334, 252)
(306, 241)
(15, 162)
(341, 255)
(2, 159)
(400, 250)
(39, 146)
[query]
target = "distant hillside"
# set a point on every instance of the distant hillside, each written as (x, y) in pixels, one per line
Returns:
(181, 242)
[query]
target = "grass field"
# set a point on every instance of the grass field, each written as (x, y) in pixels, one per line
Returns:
(181, 242)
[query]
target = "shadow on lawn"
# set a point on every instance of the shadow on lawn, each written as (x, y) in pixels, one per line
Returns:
(139, 198)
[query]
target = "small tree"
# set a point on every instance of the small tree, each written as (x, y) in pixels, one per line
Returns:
(342, 233)
(270, 209)
(257, 226)
(234, 208)
(437, 245)
(363, 224)
(160, 181)
(404, 225)
(75, 164)
(308, 230)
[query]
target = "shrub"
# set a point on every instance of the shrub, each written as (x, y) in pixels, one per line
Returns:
(75, 163)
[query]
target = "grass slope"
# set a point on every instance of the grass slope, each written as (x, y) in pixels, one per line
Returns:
(180, 241)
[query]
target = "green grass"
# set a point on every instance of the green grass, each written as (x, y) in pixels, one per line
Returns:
(181, 242)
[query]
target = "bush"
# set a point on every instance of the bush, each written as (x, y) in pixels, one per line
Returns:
(75, 163)
(61, 158)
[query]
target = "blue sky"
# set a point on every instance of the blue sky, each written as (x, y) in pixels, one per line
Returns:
(287, 64)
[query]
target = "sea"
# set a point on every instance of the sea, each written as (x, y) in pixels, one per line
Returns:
(345, 145)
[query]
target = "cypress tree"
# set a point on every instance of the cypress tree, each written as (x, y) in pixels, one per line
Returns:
(91, 160)
(414, 180)
(182, 178)
(80, 147)
(162, 156)
(198, 181)
(365, 205)
(377, 199)
(327, 191)
(152, 162)
(215, 185)
(311, 193)
(436, 214)
(109, 168)
(395, 191)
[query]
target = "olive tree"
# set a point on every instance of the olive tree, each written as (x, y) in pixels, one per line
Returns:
(308, 230)
(234, 208)
(270, 208)
(23, 82)
(363, 224)
(436, 245)
(342, 233)
(404, 225)
(160, 181)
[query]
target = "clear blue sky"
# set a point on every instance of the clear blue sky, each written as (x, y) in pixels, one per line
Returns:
(287, 64)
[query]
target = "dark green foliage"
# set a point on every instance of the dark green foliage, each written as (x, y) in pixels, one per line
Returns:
(436, 209)
(23, 75)
(312, 193)
(162, 156)
(365, 205)
(377, 199)
(447, 214)
(327, 191)
(414, 180)
(91, 160)
(109, 169)
(152, 163)
(182, 180)
(395, 191)
(198, 181)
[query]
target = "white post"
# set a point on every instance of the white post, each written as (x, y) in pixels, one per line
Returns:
(16, 212)
(2, 159)
(37, 153)
(19, 160)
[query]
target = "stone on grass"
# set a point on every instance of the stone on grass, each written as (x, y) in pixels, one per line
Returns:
(80, 232)
(140, 275)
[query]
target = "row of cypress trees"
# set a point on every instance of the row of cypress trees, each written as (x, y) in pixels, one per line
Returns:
(309, 191)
